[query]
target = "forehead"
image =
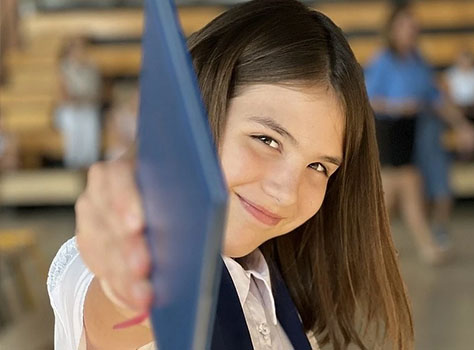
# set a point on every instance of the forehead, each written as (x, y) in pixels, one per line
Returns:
(313, 115)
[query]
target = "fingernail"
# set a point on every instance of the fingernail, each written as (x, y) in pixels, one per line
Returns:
(132, 322)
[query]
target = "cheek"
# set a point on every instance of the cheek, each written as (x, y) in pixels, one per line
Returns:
(311, 200)
(240, 164)
(309, 203)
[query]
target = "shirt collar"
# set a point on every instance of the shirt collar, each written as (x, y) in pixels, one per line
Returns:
(252, 265)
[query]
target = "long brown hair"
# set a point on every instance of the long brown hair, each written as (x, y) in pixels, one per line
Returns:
(340, 266)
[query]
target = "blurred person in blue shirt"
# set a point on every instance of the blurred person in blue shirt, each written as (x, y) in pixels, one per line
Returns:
(406, 102)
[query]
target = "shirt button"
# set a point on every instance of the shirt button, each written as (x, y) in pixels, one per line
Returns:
(263, 329)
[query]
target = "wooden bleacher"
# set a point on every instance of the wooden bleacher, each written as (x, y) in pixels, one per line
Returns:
(462, 178)
(27, 102)
(41, 187)
(440, 49)
(105, 57)
(356, 15)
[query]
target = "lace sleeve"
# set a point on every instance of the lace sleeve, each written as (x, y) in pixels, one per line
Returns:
(68, 282)
(64, 256)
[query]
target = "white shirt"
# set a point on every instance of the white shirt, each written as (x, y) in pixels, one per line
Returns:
(461, 85)
(69, 279)
(252, 282)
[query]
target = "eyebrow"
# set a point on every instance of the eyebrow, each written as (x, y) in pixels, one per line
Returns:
(275, 126)
(333, 160)
(272, 124)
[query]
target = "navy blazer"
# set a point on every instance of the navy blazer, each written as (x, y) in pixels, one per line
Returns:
(230, 329)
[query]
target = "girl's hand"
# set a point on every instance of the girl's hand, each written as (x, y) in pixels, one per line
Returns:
(109, 230)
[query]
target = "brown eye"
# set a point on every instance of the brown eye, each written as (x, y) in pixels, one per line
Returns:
(268, 141)
(319, 168)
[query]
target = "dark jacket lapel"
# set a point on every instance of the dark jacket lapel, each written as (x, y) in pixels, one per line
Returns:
(230, 328)
(287, 313)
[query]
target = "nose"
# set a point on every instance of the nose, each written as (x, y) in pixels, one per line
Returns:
(282, 184)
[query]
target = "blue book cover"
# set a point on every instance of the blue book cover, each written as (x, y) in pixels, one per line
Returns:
(181, 184)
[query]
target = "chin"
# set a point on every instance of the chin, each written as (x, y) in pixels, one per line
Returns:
(240, 242)
(236, 251)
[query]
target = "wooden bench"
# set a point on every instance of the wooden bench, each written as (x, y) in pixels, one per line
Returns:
(25, 118)
(439, 50)
(372, 15)
(36, 145)
(445, 14)
(128, 23)
(8, 97)
(45, 187)
(31, 57)
(116, 60)
(116, 23)
(351, 16)
(348, 15)
(356, 15)
(17, 245)
(121, 23)
(462, 179)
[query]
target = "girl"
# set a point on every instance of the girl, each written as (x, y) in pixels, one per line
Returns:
(307, 228)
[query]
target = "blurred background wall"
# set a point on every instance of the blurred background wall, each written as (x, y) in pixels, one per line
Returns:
(68, 97)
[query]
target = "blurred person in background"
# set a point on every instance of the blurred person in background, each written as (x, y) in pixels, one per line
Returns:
(459, 81)
(78, 114)
(121, 121)
(407, 103)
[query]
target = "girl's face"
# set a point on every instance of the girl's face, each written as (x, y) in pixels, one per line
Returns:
(280, 146)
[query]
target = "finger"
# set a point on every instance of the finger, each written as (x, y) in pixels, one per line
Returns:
(100, 231)
(111, 185)
(113, 188)
(94, 241)
(96, 184)
(135, 294)
(137, 256)
(118, 276)
(133, 249)
(126, 197)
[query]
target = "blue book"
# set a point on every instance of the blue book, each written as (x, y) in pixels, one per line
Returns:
(181, 184)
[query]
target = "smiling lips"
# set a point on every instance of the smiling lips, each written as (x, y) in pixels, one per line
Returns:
(260, 213)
